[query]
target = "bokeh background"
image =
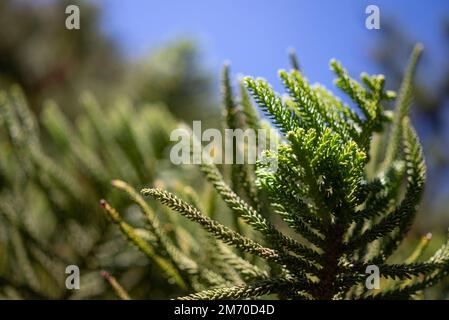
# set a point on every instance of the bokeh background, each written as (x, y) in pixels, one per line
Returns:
(168, 55)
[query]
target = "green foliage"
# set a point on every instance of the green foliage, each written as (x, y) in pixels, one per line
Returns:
(173, 74)
(340, 218)
(52, 173)
(335, 204)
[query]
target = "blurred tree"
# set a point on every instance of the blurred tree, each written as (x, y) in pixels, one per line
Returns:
(48, 60)
(174, 74)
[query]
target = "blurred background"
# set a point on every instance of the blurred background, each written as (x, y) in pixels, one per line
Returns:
(160, 62)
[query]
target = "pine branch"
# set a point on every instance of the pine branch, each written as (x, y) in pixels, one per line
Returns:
(131, 234)
(308, 108)
(118, 289)
(218, 230)
(285, 119)
(245, 269)
(253, 290)
(402, 106)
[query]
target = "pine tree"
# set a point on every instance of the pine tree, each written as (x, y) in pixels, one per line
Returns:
(348, 202)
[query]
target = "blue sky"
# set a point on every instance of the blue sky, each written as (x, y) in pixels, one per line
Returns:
(255, 35)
